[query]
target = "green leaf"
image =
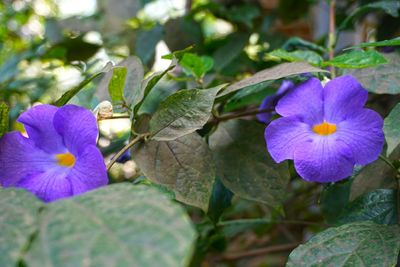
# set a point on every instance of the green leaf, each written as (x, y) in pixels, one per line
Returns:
(374, 176)
(355, 244)
(334, 198)
(274, 73)
(72, 92)
(244, 14)
(244, 164)
(133, 91)
(146, 41)
(294, 43)
(116, 85)
(225, 54)
(3, 118)
(378, 206)
(220, 199)
(392, 130)
(196, 65)
(390, 7)
(178, 54)
(392, 42)
(299, 55)
(382, 79)
(357, 59)
(18, 217)
(182, 113)
(117, 225)
(184, 165)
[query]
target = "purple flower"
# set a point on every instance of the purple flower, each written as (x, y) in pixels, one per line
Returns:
(326, 131)
(270, 101)
(59, 159)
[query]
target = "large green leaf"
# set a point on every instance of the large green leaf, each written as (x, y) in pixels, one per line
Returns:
(382, 79)
(184, 165)
(298, 55)
(182, 113)
(378, 206)
(357, 59)
(392, 129)
(274, 73)
(245, 165)
(3, 118)
(19, 212)
(355, 244)
(117, 225)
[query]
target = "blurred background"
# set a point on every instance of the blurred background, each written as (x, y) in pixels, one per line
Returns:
(48, 47)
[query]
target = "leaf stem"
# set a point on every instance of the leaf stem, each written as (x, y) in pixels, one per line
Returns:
(125, 148)
(332, 34)
(390, 164)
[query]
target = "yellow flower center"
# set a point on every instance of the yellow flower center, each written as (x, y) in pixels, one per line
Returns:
(324, 128)
(66, 159)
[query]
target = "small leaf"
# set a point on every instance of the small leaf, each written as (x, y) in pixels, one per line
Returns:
(354, 244)
(184, 165)
(382, 79)
(225, 54)
(117, 225)
(378, 206)
(392, 130)
(245, 165)
(116, 85)
(133, 91)
(357, 59)
(274, 73)
(182, 113)
(392, 42)
(3, 118)
(299, 55)
(19, 212)
(220, 199)
(196, 65)
(334, 198)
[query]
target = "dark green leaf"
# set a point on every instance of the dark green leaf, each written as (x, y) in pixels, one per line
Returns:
(334, 198)
(378, 206)
(392, 42)
(146, 41)
(184, 165)
(225, 54)
(234, 227)
(183, 113)
(19, 212)
(299, 55)
(133, 91)
(178, 54)
(117, 225)
(219, 201)
(3, 118)
(390, 7)
(274, 73)
(355, 244)
(245, 165)
(196, 65)
(382, 79)
(116, 85)
(294, 43)
(244, 14)
(392, 129)
(357, 59)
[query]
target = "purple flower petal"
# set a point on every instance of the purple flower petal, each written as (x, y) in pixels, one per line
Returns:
(284, 135)
(77, 126)
(48, 186)
(342, 96)
(323, 160)
(89, 171)
(305, 101)
(362, 131)
(19, 157)
(38, 122)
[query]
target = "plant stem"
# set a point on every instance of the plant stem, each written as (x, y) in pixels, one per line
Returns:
(114, 117)
(242, 114)
(125, 148)
(390, 164)
(332, 34)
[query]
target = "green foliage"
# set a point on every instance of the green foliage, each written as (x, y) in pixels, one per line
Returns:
(354, 244)
(378, 206)
(392, 129)
(4, 110)
(116, 85)
(392, 42)
(382, 79)
(147, 230)
(334, 198)
(196, 65)
(243, 164)
(299, 55)
(184, 166)
(183, 113)
(357, 59)
(18, 217)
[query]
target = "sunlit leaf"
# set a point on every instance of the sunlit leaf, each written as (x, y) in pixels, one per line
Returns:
(357, 59)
